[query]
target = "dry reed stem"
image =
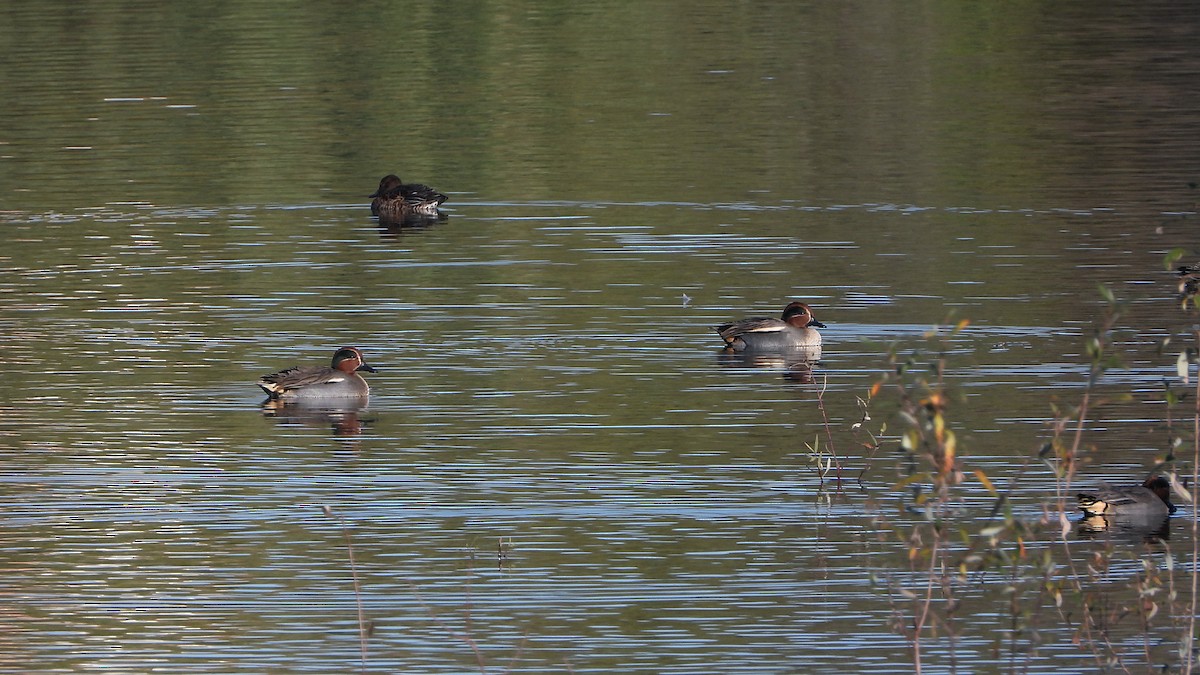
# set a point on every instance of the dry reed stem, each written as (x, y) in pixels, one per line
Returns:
(362, 618)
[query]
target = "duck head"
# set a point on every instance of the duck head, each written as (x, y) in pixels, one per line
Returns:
(387, 184)
(349, 360)
(799, 315)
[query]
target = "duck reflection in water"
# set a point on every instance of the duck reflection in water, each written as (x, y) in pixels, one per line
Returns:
(390, 229)
(1137, 530)
(794, 364)
(344, 420)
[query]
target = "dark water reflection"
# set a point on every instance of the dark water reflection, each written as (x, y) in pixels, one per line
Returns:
(557, 462)
(341, 420)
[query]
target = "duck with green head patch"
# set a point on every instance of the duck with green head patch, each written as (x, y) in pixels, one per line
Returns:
(340, 380)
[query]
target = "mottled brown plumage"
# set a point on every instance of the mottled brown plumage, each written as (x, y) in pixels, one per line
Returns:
(397, 201)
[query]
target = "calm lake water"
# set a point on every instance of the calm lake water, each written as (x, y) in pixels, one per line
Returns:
(558, 470)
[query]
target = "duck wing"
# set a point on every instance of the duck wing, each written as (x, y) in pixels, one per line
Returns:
(730, 331)
(416, 193)
(295, 377)
(1115, 499)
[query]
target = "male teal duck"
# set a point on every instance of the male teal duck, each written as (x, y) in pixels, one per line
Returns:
(339, 380)
(1150, 499)
(397, 201)
(795, 329)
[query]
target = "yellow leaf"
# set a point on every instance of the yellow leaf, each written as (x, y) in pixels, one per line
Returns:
(948, 452)
(987, 483)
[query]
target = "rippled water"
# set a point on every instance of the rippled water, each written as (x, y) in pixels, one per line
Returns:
(556, 465)
(558, 471)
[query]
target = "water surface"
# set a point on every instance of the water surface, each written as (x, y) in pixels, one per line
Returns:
(558, 471)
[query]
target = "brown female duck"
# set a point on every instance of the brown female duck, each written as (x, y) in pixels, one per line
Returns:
(395, 200)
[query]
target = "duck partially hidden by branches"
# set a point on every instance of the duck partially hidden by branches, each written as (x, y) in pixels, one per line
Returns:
(1189, 282)
(398, 202)
(1150, 499)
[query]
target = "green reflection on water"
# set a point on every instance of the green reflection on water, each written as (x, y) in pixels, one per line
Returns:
(252, 103)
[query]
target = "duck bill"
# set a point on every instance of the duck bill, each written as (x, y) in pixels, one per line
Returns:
(818, 324)
(367, 368)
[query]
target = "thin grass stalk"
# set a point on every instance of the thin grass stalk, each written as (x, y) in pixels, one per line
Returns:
(837, 462)
(1188, 651)
(362, 617)
(465, 637)
(919, 621)
(1069, 460)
